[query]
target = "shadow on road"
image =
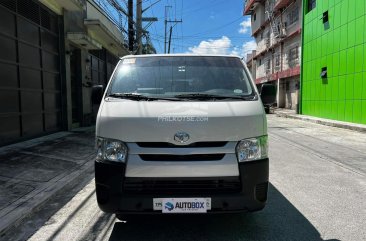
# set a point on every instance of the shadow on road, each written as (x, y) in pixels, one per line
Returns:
(280, 220)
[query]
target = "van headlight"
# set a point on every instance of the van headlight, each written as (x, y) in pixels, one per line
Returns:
(111, 150)
(252, 149)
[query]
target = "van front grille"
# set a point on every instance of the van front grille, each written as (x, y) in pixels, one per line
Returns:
(159, 186)
(170, 145)
(172, 158)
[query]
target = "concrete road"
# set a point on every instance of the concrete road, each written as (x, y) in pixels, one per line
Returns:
(317, 192)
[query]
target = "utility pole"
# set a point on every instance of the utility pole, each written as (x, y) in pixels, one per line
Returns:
(170, 38)
(130, 26)
(139, 26)
(165, 24)
(166, 21)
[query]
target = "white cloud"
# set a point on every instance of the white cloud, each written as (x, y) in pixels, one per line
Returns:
(223, 46)
(247, 48)
(245, 26)
(212, 46)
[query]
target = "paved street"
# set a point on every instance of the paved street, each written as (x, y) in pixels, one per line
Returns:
(317, 192)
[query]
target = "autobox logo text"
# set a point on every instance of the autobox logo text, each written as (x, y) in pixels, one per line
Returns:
(184, 206)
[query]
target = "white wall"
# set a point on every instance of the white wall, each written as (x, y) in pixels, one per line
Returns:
(94, 12)
(286, 17)
(261, 69)
(260, 17)
(261, 42)
(289, 44)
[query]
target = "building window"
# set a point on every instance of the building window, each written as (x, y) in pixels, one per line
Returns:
(311, 5)
(268, 66)
(294, 53)
(277, 61)
(293, 56)
(293, 16)
(260, 62)
(254, 17)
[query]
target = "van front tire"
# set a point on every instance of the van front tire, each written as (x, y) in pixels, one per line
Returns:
(127, 217)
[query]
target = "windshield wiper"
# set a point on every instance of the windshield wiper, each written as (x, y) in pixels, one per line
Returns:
(136, 96)
(211, 96)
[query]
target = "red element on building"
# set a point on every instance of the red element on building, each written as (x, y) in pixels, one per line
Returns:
(248, 6)
(281, 4)
(261, 80)
(289, 72)
(279, 75)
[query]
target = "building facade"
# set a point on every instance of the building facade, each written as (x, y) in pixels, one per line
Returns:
(51, 53)
(334, 60)
(276, 27)
(251, 64)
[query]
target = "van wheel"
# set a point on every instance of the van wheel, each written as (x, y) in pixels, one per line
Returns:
(127, 217)
(267, 109)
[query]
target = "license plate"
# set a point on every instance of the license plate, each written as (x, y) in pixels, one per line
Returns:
(182, 205)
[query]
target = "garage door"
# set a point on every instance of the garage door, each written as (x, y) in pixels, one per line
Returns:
(29, 71)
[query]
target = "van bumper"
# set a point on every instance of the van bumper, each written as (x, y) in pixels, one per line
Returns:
(113, 198)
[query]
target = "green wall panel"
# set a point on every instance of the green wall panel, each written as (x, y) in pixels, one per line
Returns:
(340, 46)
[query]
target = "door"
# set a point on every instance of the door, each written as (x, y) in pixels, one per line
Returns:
(76, 87)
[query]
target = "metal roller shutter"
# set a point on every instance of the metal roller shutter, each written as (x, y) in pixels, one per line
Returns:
(30, 83)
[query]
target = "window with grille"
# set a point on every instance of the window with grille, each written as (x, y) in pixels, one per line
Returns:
(293, 56)
(277, 61)
(268, 65)
(293, 16)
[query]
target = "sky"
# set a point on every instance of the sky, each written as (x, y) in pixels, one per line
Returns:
(209, 26)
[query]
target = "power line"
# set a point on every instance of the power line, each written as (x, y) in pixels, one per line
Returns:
(152, 11)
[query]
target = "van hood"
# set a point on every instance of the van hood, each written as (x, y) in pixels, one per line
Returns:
(159, 121)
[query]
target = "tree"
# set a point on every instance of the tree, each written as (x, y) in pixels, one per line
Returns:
(148, 48)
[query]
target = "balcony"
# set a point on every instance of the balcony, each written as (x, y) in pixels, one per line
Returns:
(70, 5)
(82, 40)
(280, 4)
(249, 6)
(101, 29)
(251, 56)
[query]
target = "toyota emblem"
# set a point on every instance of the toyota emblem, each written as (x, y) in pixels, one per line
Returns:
(181, 137)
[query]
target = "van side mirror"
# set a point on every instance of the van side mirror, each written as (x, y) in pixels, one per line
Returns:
(97, 94)
(268, 94)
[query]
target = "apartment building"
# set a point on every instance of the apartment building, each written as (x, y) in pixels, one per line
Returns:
(51, 54)
(251, 64)
(276, 27)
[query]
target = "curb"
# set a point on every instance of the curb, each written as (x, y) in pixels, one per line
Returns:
(25, 210)
(332, 123)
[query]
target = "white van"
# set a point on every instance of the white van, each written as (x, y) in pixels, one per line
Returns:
(181, 134)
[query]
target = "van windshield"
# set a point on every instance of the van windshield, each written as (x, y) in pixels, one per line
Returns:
(181, 76)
